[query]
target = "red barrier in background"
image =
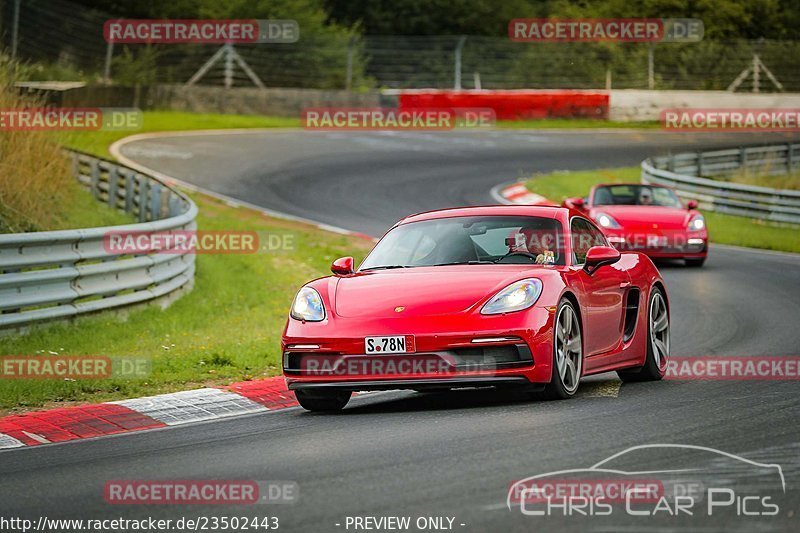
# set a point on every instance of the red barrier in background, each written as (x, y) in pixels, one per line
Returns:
(514, 105)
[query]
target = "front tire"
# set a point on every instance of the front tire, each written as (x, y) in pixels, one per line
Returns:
(322, 401)
(567, 353)
(655, 365)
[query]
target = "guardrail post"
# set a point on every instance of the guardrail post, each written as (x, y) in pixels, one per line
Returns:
(671, 162)
(789, 157)
(142, 197)
(130, 190)
(94, 173)
(742, 157)
(155, 202)
(700, 164)
(76, 164)
(113, 186)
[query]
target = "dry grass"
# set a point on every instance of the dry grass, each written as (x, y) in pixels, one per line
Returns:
(763, 179)
(35, 181)
(771, 174)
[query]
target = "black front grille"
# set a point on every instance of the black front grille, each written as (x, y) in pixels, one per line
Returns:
(456, 360)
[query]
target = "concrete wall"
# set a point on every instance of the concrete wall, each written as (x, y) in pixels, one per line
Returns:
(634, 105)
(254, 101)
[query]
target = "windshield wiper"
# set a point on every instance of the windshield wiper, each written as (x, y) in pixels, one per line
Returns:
(464, 263)
(384, 267)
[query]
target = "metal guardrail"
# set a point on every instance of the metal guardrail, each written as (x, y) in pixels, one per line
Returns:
(60, 274)
(688, 174)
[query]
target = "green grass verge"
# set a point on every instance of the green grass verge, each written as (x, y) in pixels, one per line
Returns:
(227, 329)
(84, 211)
(97, 142)
(723, 229)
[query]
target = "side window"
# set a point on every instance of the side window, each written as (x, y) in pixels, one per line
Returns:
(598, 239)
(581, 240)
(584, 236)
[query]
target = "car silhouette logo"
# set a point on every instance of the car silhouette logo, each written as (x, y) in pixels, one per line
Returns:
(399, 309)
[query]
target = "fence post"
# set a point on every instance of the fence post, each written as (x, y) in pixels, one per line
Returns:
(789, 158)
(349, 72)
(459, 46)
(756, 73)
(15, 30)
(700, 164)
(107, 67)
(228, 66)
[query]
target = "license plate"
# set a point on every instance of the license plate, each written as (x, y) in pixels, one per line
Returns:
(393, 344)
(656, 241)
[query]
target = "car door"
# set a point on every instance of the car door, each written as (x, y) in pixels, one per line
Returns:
(604, 291)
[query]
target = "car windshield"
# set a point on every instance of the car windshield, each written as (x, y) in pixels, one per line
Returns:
(469, 240)
(635, 195)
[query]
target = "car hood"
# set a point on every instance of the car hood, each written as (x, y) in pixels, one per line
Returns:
(637, 217)
(423, 291)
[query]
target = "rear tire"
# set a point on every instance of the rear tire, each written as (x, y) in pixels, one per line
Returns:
(655, 365)
(695, 263)
(567, 354)
(322, 401)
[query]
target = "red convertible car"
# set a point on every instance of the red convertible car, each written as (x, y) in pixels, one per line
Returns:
(647, 218)
(496, 296)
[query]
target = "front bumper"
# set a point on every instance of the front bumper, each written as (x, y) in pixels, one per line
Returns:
(661, 244)
(511, 349)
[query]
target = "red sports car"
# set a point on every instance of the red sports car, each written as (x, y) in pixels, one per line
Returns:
(647, 218)
(524, 296)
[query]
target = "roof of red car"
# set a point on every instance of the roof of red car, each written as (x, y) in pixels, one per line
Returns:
(545, 211)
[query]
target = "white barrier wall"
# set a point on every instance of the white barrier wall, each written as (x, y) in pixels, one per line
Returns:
(635, 105)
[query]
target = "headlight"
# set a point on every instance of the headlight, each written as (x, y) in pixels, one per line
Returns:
(697, 223)
(308, 306)
(516, 297)
(607, 221)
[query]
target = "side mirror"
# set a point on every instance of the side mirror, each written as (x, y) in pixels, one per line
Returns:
(343, 266)
(598, 256)
(576, 203)
(691, 204)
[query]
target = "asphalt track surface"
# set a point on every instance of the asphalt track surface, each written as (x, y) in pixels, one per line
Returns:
(452, 455)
